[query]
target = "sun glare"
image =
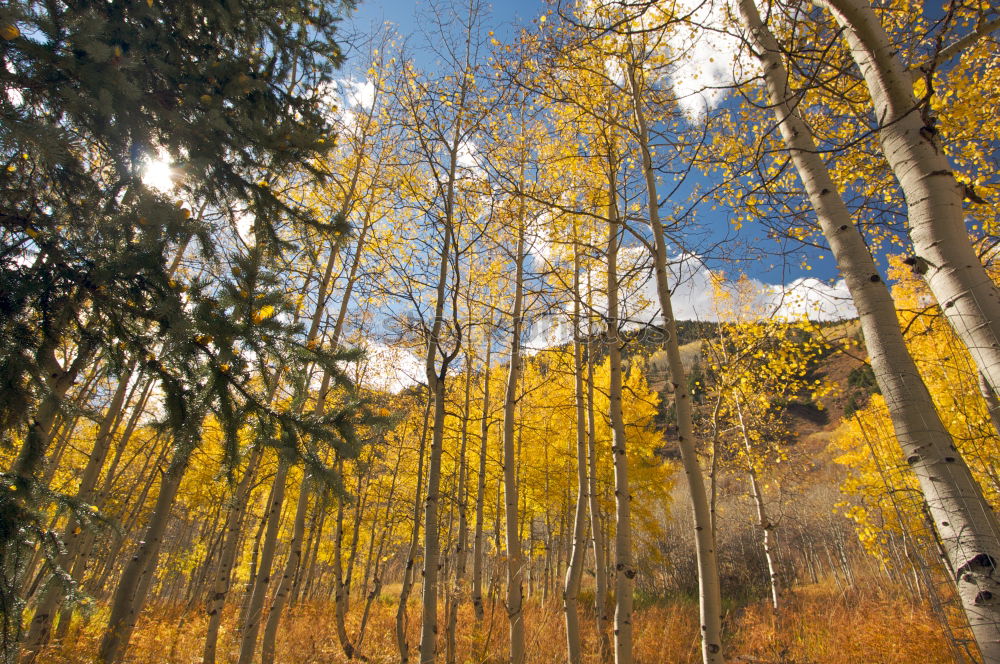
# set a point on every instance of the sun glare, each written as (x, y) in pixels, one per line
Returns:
(158, 175)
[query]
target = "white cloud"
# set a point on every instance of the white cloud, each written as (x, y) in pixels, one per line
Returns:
(705, 58)
(389, 368)
(693, 298)
(244, 226)
(702, 49)
(359, 93)
(467, 157)
(345, 96)
(538, 240)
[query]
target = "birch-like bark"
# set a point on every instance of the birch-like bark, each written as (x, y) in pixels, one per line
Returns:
(432, 543)
(478, 541)
(991, 399)
(762, 521)
(341, 588)
(574, 571)
(601, 604)
(462, 546)
(223, 575)
(255, 602)
(411, 553)
(965, 523)
(710, 600)
(624, 569)
(287, 575)
(515, 560)
(388, 524)
(130, 595)
(955, 275)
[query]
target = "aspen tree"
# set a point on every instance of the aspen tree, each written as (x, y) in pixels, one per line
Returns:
(478, 541)
(411, 553)
(954, 273)
(708, 568)
(965, 523)
(624, 567)
(574, 570)
(441, 118)
(461, 500)
(515, 557)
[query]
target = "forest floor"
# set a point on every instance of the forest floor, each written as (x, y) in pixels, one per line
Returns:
(820, 625)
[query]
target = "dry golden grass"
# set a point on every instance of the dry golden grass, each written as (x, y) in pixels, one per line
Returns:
(819, 626)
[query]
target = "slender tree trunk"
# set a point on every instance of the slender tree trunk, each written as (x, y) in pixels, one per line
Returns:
(462, 546)
(303, 588)
(287, 574)
(624, 568)
(436, 385)
(515, 558)
(432, 545)
(255, 602)
(478, 541)
(130, 595)
(341, 588)
(965, 523)
(411, 554)
(574, 571)
(967, 295)
(601, 600)
(254, 557)
(223, 577)
(708, 569)
(359, 513)
(388, 524)
(765, 524)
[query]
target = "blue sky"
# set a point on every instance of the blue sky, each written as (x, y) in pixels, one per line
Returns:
(407, 15)
(407, 12)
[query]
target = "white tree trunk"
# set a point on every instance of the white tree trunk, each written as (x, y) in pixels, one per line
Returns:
(223, 576)
(255, 604)
(270, 636)
(478, 541)
(624, 569)
(574, 570)
(515, 558)
(411, 553)
(602, 610)
(966, 525)
(967, 295)
(462, 546)
(767, 543)
(708, 569)
(130, 595)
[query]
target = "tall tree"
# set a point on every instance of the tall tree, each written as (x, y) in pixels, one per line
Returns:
(954, 272)
(91, 237)
(966, 525)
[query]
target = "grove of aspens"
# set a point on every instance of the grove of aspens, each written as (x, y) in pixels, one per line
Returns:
(584, 331)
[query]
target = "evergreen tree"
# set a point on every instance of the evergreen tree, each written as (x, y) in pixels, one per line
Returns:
(233, 94)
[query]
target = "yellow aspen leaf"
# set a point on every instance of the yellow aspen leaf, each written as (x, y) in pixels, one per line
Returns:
(263, 314)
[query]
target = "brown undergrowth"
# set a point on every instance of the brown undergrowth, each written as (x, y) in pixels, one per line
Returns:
(819, 625)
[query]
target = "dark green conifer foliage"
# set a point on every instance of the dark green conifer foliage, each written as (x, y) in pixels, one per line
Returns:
(232, 92)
